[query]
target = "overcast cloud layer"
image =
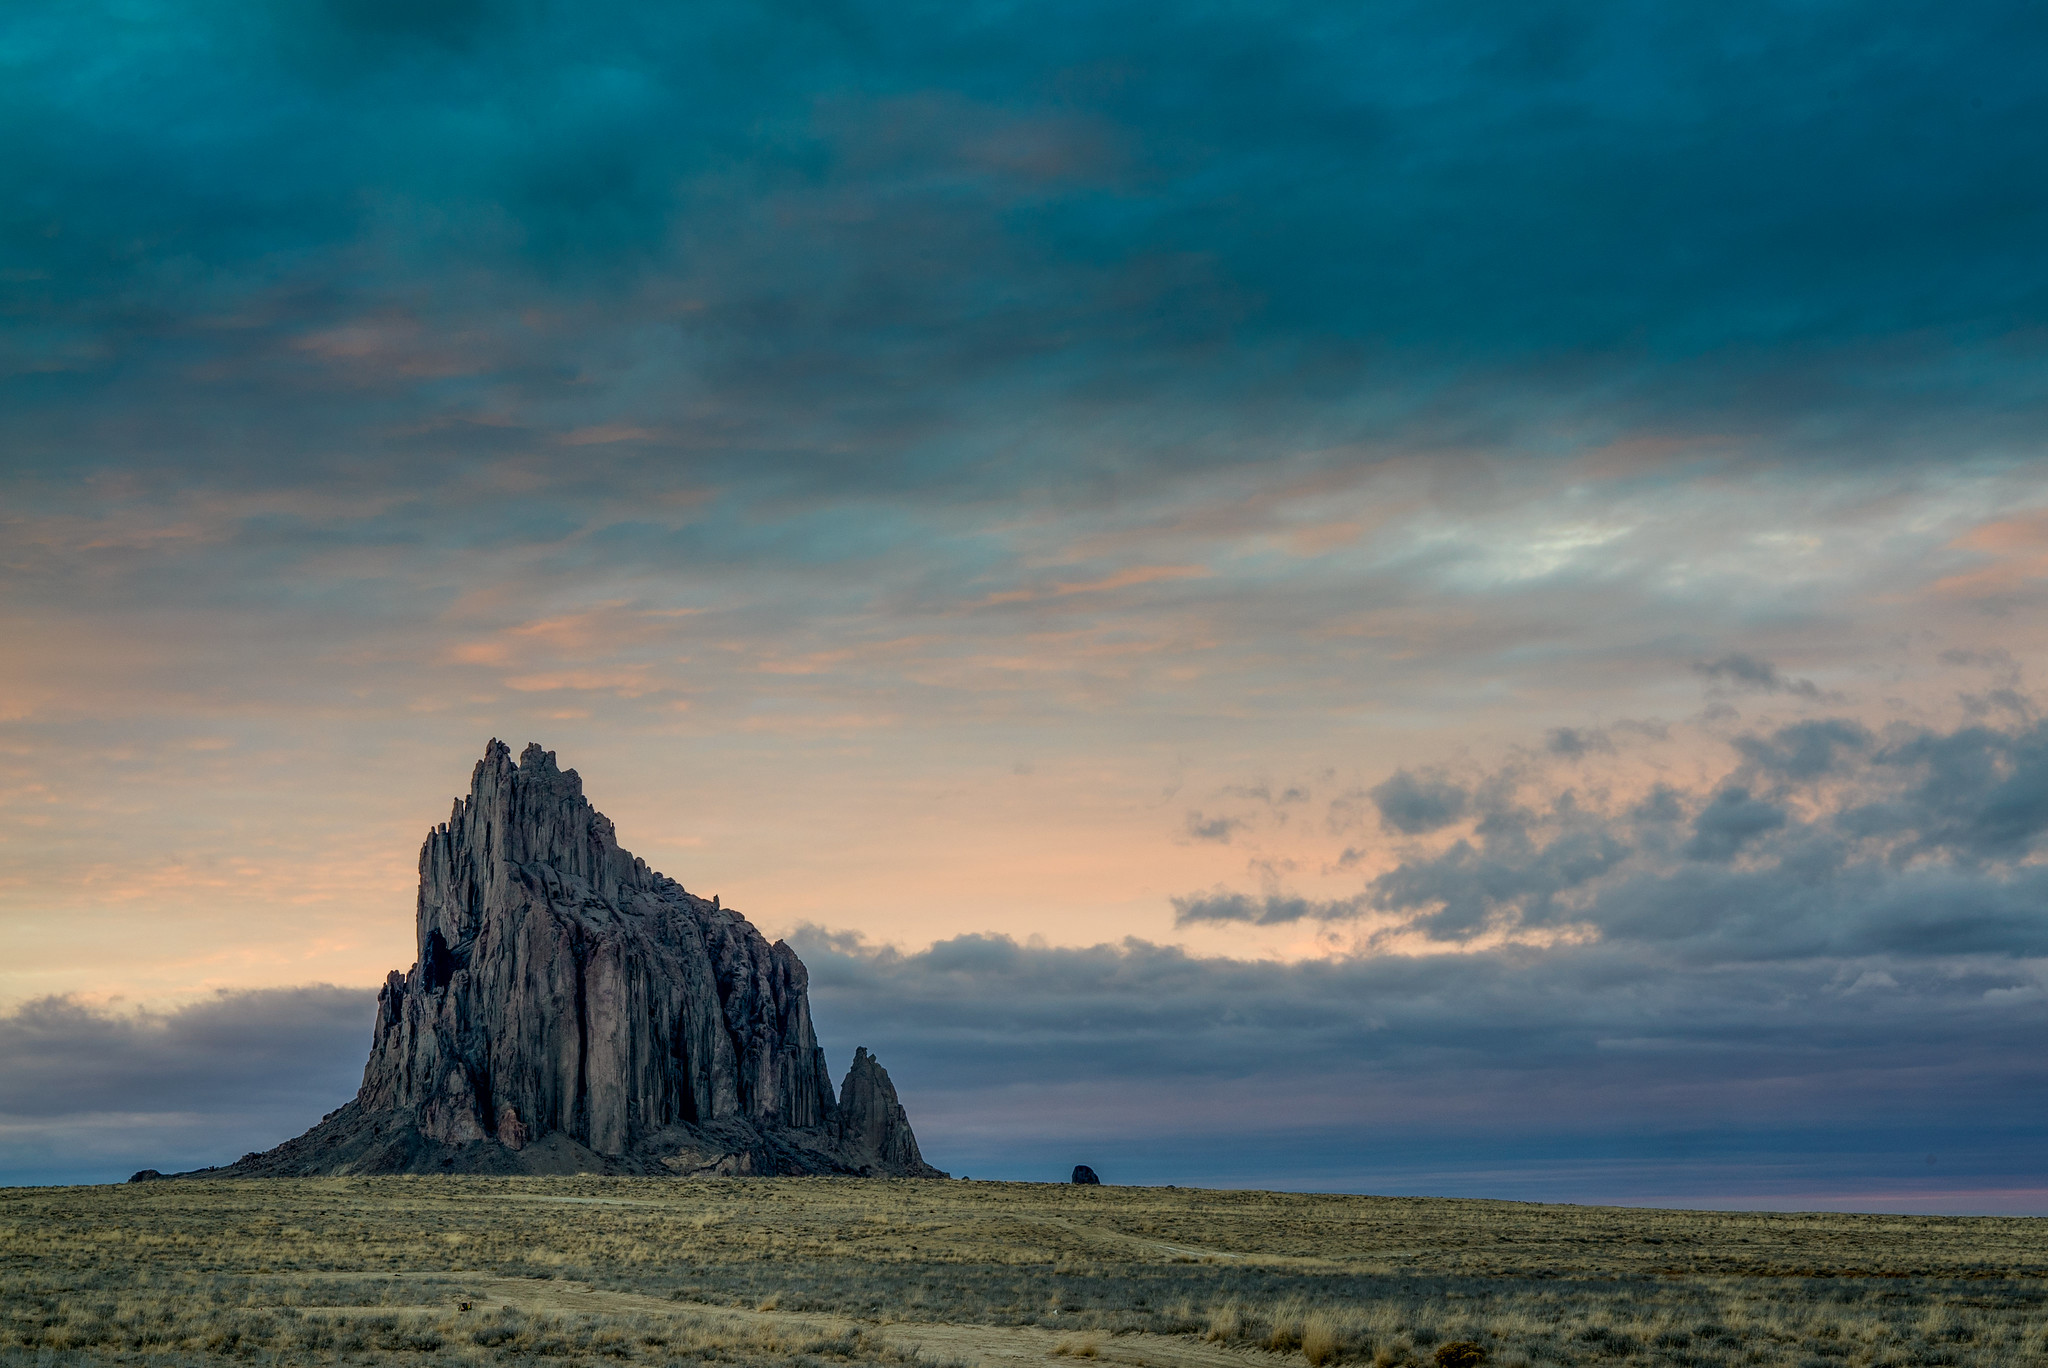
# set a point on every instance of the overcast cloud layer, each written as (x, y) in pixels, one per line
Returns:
(1435, 556)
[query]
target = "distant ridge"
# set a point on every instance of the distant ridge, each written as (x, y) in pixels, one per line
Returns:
(573, 1011)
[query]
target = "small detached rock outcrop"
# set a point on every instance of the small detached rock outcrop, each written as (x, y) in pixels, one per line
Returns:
(1085, 1175)
(573, 1011)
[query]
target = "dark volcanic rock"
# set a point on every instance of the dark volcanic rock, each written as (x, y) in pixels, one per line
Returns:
(1084, 1174)
(871, 1120)
(572, 1010)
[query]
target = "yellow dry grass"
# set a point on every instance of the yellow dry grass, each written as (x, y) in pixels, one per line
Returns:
(1319, 1340)
(809, 1272)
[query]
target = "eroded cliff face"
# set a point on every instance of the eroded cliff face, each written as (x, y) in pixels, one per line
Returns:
(571, 1007)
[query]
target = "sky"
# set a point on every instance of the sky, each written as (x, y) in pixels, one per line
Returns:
(1406, 598)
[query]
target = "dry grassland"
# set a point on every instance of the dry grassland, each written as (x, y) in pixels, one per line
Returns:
(809, 1272)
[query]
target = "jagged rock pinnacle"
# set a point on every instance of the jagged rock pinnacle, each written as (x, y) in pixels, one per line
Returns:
(572, 1010)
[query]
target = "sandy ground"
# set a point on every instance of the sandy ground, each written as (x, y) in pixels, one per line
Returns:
(1092, 1233)
(983, 1344)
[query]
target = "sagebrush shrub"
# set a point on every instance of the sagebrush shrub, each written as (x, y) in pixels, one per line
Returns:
(1460, 1354)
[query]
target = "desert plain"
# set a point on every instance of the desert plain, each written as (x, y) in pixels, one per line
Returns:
(417, 1271)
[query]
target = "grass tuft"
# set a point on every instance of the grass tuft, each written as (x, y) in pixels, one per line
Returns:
(1318, 1340)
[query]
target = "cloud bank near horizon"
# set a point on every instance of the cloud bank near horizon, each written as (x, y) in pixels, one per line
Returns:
(93, 1094)
(1585, 1076)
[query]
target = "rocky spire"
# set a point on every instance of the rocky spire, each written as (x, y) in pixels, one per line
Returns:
(872, 1121)
(571, 1008)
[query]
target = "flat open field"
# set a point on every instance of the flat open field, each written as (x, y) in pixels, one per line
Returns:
(815, 1271)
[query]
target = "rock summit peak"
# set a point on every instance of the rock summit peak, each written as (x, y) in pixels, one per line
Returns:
(572, 1010)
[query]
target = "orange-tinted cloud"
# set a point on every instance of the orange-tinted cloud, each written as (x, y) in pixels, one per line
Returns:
(2018, 549)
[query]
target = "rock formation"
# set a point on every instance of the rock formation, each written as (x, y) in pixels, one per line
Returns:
(572, 1010)
(1085, 1175)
